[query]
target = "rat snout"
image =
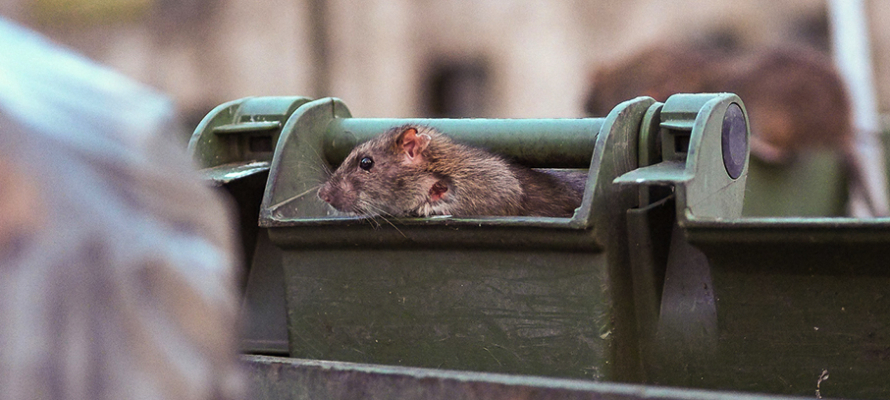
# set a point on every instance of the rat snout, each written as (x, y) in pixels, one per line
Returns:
(336, 192)
(324, 193)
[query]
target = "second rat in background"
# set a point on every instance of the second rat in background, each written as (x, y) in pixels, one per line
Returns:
(795, 98)
(417, 171)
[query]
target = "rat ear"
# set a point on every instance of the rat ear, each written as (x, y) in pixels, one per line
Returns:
(412, 144)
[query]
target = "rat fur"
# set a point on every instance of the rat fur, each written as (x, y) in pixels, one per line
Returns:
(417, 171)
(795, 98)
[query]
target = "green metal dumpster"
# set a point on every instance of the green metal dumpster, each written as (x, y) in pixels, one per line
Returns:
(656, 279)
(234, 144)
(539, 296)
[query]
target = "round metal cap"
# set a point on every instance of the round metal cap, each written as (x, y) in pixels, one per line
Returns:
(735, 140)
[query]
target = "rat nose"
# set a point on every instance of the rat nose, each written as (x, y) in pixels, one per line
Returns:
(324, 193)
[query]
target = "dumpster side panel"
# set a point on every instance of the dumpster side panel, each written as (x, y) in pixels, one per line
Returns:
(790, 313)
(530, 312)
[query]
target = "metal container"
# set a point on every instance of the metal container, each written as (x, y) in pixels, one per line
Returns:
(234, 144)
(522, 295)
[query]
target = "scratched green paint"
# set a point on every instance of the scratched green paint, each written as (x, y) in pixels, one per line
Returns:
(540, 312)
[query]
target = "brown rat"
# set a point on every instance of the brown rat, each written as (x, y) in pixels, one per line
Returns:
(795, 98)
(417, 171)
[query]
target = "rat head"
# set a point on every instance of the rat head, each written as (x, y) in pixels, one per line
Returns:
(389, 175)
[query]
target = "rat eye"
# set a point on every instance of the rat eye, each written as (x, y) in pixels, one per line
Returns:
(366, 163)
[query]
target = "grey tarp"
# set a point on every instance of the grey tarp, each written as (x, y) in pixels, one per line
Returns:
(116, 265)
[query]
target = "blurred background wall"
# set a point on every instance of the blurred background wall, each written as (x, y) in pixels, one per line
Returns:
(409, 58)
